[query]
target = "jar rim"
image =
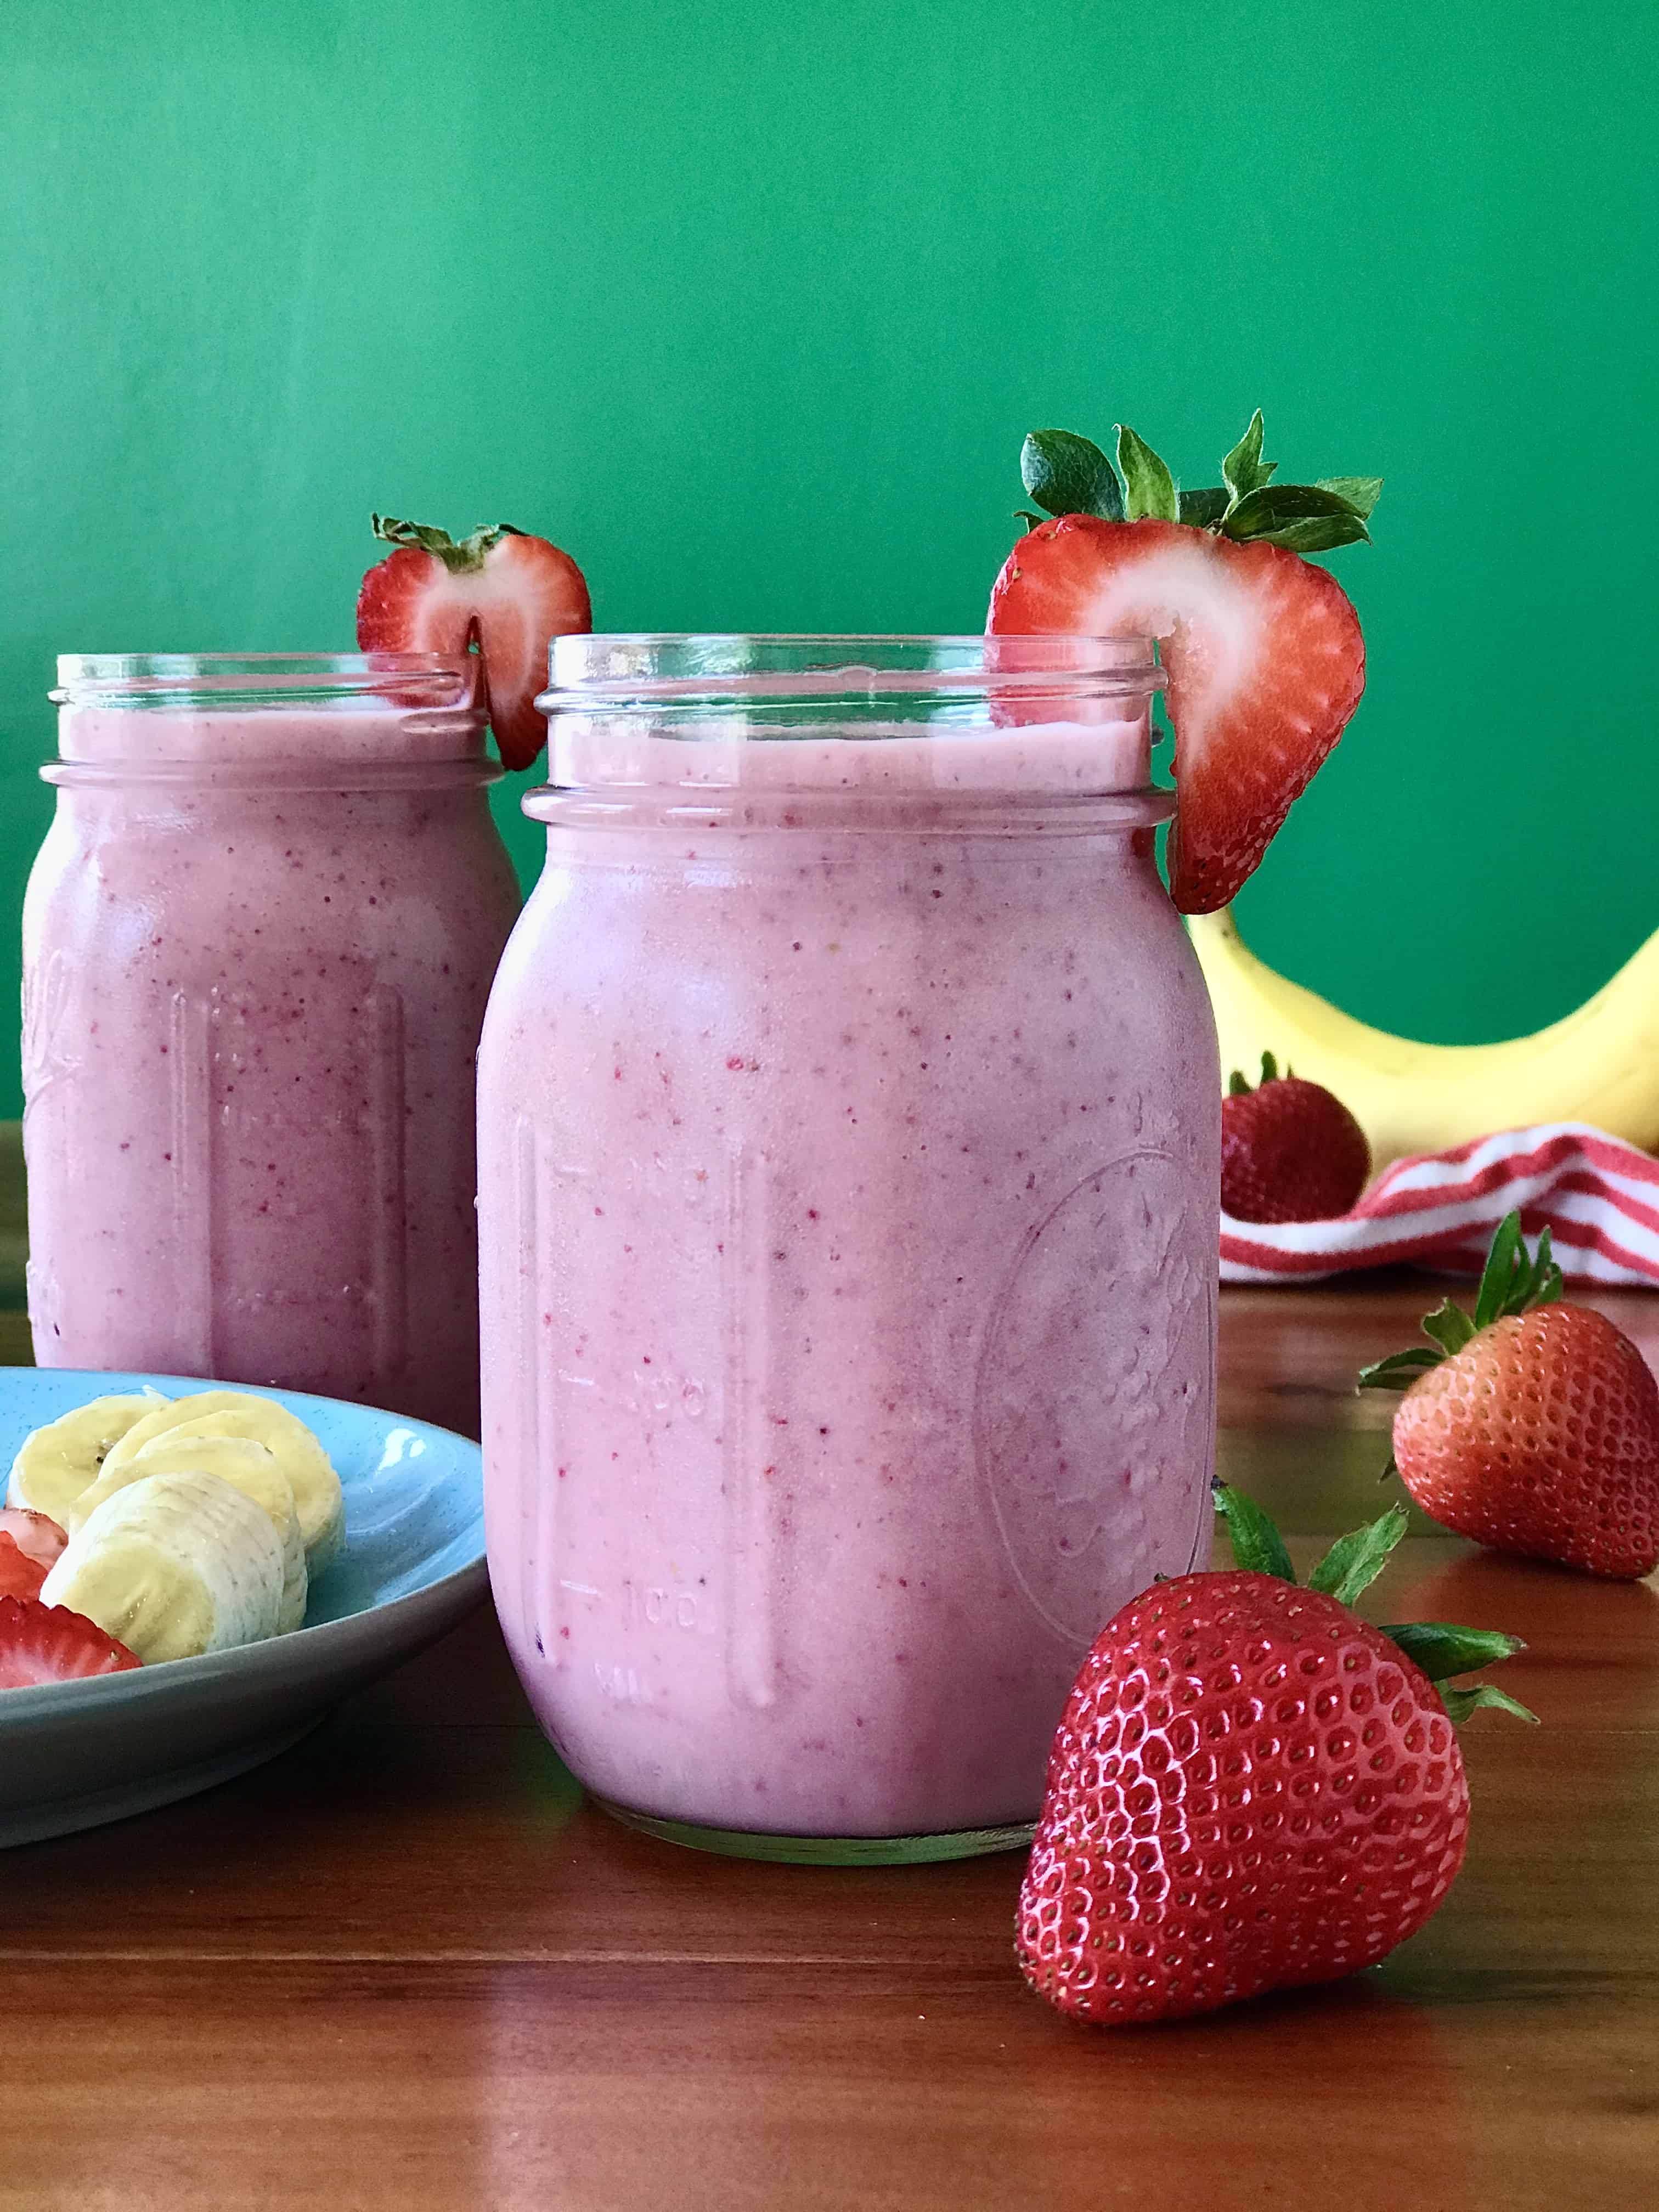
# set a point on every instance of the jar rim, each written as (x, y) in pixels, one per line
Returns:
(667, 669)
(241, 681)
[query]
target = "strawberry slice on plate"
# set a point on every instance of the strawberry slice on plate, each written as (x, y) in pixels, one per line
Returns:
(1263, 652)
(49, 1643)
(37, 1536)
(20, 1576)
(501, 589)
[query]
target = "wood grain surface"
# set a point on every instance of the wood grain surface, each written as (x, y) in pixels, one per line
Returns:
(405, 1966)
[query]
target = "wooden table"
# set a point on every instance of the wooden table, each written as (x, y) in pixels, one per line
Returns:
(405, 1966)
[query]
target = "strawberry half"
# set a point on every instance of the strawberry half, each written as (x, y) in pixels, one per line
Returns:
(502, 590)
(49, 1643)
(1251, 1788)
(1533, 1425)
(1263, 652)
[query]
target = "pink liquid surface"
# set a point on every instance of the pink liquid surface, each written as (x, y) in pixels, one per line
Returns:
(252, 999)
(848, 1198)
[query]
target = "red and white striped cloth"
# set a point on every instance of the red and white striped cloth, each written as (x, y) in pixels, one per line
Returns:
(1598, 1197)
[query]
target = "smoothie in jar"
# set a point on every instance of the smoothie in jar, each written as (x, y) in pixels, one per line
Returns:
(258, 944)
(848, 1137)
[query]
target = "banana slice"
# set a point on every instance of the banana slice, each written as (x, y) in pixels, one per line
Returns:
(311, 1475)
(55, 1464)
(250, 1467)
(173, 1566)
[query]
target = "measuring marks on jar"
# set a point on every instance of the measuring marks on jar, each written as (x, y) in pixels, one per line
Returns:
(650, 1465)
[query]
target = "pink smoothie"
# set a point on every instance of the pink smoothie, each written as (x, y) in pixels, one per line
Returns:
(257, 947)
(848, 1195)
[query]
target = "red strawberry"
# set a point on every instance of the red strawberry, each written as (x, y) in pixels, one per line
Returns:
(1534, 1426)
(1252, 1788)
(49, 1643)
(508, 593)
(1290, 1151)
(35, 1534)
(1263, 653)
(20, 1576)
(1263, 657)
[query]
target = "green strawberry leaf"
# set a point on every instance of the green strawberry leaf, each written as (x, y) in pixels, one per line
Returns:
(1069, 475)
(1544, 1287)
(1511, 1282)
(1361, 493)
(1257, 1545)
(1400, 1370)
(1449, 1326)
(1204, 510)
(1278, 512)
(1354, 1561)
(1238, 1084)
(1244, 471)
(1506, 1257)
(1316, 534)
(1460, 1704)
(461, 557)
(1149, 485)
(1440, 1648)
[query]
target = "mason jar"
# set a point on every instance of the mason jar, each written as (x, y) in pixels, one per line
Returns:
(257, 946)
(848, 1197)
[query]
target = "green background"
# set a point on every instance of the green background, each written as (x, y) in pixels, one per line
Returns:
(750, 305)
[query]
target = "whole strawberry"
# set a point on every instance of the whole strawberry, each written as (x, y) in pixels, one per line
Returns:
(1290, 1151)
(1532, 1426)
(1252, 1788)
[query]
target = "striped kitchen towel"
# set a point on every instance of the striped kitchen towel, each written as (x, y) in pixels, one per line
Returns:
(1598, 1197)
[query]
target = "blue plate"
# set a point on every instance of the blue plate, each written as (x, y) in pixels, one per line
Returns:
(73, 1754)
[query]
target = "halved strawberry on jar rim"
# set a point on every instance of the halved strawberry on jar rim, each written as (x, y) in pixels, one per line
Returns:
(506, 592)
(1262, 651)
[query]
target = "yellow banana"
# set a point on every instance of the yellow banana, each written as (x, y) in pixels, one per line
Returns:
(1599, 1064)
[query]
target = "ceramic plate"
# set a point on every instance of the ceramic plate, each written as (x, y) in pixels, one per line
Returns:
(75, 1753)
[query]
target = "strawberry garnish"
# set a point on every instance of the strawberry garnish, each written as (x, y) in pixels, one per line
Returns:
(502, 590)
(1291, 1151)
(35, 1534)
(1263, 658)
(49, 1643)
(1532, 1425)
(20, 1576)
(1252, 1787)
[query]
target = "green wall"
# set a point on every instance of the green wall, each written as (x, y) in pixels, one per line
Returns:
(750, 305)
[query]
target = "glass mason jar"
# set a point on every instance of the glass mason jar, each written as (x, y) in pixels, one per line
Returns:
(848, 1183)
(257, 946)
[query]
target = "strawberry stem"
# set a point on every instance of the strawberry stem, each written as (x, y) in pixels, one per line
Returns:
(461, 558)
(1512, 1281)
(1440, 1649)
(1066, 474)
(1239, 1084)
